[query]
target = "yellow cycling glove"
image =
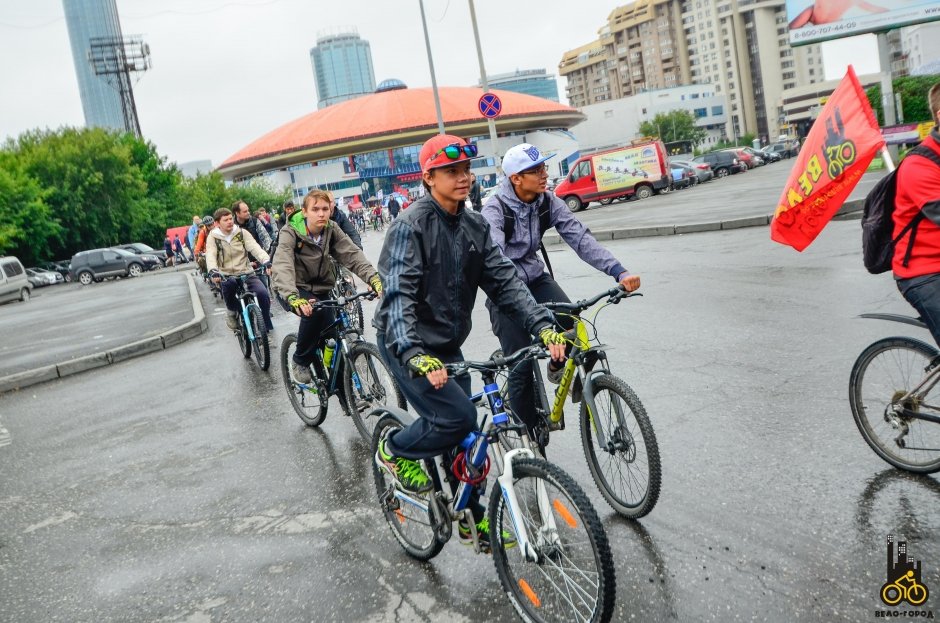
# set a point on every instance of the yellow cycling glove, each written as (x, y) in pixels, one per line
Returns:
(549, 336)
(376, 282)
(421, 365)
(296, 302)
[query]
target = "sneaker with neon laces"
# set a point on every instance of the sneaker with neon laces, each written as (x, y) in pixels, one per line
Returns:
(465, 534)
(409, 474)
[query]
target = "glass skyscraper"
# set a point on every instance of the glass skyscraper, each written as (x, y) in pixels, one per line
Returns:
(535, 82)
(86, 19)
(342, 68)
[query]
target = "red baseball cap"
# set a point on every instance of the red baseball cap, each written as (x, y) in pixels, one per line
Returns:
(435, 153)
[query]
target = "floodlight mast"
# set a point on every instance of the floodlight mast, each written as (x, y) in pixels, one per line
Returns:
(116, 58)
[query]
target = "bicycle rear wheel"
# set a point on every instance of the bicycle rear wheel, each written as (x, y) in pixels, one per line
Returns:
(410, 523)
(310, 401)
(573, 578)
(627, 470)
(882, 375)
(368, 383)
(244, 342)
(260, 344)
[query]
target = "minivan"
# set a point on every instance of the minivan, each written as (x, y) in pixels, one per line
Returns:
(14, 284)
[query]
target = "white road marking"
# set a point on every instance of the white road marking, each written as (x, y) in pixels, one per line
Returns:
(52, 521)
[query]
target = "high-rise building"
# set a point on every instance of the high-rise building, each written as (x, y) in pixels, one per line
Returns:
(641, 48)
(342, 68)
(535, 82)
(87, 19)
(919, 49)
(742, 48)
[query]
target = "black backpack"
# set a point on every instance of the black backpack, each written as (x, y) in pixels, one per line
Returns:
(545, 218)
(878, 220)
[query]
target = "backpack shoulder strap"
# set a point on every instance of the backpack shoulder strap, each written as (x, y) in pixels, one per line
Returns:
(509, 220)
(545, 214)
(911, 226)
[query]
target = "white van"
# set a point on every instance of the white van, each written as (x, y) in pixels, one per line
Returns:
(14, 284)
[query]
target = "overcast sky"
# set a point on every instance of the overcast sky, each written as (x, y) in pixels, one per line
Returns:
(226, 72)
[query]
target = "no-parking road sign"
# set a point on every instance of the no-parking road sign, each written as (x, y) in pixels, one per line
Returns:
(490, 106)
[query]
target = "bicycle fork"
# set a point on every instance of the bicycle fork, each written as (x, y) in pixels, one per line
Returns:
(526, 546)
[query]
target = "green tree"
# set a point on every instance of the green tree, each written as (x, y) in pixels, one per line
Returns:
(204, 194)
(258, 193)
(161, 206)
(26, 223)
(93, 187)
(913, 91)
(675, 125)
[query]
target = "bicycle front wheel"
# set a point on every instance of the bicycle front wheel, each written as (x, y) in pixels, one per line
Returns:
(410, 522)
(626, 468)
(309, 401)
(260, 344)
(368, 383)
(884, 373)
(573, 577)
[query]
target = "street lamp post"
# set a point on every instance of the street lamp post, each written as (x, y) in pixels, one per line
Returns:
(489, 121)
(437, 97)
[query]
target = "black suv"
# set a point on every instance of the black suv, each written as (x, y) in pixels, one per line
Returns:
(723, 163)
(152, 258)
(95, 265)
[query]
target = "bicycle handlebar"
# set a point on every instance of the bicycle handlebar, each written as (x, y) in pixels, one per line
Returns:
(536, 351)
(343, 300)
(614, 295)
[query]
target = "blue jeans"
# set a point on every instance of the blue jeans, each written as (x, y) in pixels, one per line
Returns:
(923, 293)
(446, 415)
(254, 284)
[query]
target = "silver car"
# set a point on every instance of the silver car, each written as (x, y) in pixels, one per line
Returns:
(703, 170)
(14, 283)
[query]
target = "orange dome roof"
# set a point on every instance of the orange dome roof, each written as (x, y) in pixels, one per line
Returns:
(392, 119)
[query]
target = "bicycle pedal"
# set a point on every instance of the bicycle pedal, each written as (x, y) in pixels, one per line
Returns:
(559, 425)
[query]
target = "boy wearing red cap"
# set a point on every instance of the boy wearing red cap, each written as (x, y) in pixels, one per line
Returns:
(436, 256)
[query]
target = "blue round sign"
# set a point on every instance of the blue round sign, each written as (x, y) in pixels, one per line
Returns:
(490, 106)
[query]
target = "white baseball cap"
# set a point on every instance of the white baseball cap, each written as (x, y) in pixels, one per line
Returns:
(521, 157)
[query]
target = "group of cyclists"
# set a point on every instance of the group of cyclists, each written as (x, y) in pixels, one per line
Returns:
(435, 257)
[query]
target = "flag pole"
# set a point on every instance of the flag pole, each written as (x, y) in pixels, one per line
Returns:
(886, 155)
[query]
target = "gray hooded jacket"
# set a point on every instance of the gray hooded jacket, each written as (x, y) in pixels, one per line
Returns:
(524, 246)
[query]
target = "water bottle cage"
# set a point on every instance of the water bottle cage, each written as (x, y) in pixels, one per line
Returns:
(466, 472)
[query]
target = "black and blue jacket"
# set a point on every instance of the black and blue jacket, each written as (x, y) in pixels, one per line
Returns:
(432, 264)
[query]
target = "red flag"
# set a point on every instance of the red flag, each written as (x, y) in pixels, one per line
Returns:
(835, 155)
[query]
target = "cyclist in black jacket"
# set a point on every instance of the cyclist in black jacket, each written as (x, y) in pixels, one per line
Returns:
(436, 256)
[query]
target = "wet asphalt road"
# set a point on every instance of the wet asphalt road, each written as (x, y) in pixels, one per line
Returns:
(181, 486)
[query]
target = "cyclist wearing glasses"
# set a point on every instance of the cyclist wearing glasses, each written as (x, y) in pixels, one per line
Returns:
(523, 203)
(227, 249)
(303, 272)
(435, 257)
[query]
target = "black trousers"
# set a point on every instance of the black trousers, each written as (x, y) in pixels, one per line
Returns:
(308, 334)
(513, 336)
(447, 415)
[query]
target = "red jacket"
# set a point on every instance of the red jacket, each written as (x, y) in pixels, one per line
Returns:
(918, 182)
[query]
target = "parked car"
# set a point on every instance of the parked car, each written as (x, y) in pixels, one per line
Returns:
(723, 163)
(703, 170)
(14, 284)
(151, 257)
(682, 177)
(61, 267)
(40, 277)
(97, 264)
(770, 156)
(756, 154)
(786, 149)
(749, 160)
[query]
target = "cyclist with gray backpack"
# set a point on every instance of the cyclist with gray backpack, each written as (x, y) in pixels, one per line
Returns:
(519, 213)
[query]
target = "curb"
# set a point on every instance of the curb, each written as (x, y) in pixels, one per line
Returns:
(850, 210)
(174, 336)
